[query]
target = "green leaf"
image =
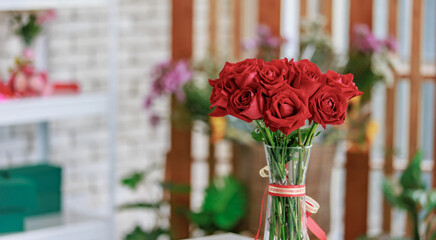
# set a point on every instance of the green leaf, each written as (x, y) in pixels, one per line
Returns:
(139, 234)
(391, 192)
(257, 136)
(411, 177)
(224, 203)
(141, 205)
(133, 180)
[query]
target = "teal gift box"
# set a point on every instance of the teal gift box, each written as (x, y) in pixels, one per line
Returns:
(48, 183)
(17, 198)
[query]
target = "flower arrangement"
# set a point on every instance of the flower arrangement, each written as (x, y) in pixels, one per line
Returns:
(280, 96)
(369, 61)
(24, 79)
(177, 79)
(28, 27)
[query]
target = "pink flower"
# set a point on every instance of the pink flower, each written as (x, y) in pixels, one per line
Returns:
(28, 53)
(46, 17)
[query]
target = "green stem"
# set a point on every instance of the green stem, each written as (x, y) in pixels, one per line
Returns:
(309, 137)
(300, 141)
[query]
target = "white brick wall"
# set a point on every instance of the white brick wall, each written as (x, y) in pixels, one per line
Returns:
(77, 50)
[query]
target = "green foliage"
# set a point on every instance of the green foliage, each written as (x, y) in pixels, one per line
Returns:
(197, 101)
(139, 234)
(28, 29)
(133, 180)
(360, 65)
(411, 177)
(224, 206)
(257, 136)
(411, 195)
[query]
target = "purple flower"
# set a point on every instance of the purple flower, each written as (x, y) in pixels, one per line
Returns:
(363, 40)
(169, 78)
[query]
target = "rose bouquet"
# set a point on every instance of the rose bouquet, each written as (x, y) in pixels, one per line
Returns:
(281, 96)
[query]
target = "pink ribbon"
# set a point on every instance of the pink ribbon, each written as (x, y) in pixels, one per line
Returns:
(294, 191)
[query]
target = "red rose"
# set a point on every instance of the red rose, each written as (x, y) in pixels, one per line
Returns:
(222, 89)
(246, 104)
(244, 73)
(272, 75)
(328, 106)
(304, 75)
(287, 110)
(344, 82)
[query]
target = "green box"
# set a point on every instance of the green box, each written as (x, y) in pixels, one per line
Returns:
(48, 183)
(17, 198)
(12, 222)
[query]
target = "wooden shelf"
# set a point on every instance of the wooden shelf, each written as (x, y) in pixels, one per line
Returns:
(34, 110)
(28, 5)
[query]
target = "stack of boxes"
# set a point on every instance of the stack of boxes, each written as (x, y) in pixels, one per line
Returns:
(28, 191)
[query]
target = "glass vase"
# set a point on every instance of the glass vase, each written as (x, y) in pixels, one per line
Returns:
(286, 215)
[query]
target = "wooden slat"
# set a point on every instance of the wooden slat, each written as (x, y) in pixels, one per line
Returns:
(212, 26)
(211, 160)
(415, 77)
(303, 9)
(179, 158)
(360, 13)
(357, 166)
(326, 11)
(356, 194)
(237, 29)
(269, 15)
(390, 118)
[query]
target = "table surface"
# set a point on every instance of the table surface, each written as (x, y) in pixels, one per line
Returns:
(227, 236)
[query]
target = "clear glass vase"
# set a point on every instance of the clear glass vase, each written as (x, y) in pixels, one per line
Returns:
(286, 216)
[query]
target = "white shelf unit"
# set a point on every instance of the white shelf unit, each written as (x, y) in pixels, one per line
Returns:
(32, 5)
(43, 110)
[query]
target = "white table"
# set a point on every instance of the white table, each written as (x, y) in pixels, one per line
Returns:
(227, 236)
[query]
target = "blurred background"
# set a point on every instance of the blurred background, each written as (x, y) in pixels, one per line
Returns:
(105, 133)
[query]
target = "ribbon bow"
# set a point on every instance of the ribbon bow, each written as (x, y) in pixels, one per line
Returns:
(293, 191)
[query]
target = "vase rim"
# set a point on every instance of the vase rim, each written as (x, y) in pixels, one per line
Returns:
(297, 147)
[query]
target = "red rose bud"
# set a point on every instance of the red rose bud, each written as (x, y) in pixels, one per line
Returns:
(328, 106)
(287, 110)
